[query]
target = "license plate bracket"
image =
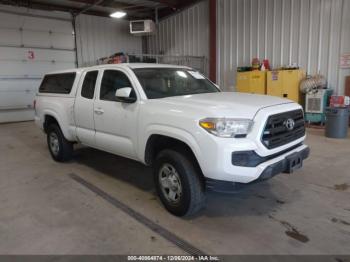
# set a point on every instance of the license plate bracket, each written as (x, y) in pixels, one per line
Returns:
(294, 162)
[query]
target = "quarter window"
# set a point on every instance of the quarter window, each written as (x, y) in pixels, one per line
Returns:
(57, 83)
(88, 88)
(112, 80)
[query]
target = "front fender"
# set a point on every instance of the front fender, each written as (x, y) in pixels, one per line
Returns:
(173, 132)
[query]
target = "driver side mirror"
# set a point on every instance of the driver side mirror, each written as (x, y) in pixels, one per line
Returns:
(123, 95)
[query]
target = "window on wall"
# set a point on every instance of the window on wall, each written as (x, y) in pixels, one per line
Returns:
(88, 88)
(57, 83)
(113, 80)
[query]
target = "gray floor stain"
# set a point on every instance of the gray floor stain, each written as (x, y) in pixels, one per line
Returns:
(292, 231)
(261, 196)
(280, 201)
(336, 220)
(10, 147)
(341, 187)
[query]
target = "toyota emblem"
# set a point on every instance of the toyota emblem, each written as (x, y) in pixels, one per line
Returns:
(289, 124)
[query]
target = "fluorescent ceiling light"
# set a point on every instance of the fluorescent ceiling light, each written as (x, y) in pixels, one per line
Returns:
(118, 14)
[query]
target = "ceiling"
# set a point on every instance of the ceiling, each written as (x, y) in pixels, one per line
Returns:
(135, 9)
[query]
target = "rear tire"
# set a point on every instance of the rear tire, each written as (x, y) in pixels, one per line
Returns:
(60, 148)
(178, 182)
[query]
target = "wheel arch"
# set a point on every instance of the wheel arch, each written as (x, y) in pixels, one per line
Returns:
(53, 118)
(48, 120)
(157, 142)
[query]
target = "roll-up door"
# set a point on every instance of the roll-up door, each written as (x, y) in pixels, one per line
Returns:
(30, 46)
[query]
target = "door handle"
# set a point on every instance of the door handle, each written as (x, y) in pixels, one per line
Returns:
(99, 111)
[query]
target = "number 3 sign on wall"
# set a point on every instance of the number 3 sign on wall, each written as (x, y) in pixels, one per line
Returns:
(30, 55)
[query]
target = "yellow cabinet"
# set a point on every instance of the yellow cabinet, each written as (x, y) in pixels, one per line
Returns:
(274, 83)
(251, 82)
(285, 83)
(291, 83)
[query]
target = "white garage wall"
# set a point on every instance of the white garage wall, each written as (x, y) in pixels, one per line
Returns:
(312, 33)
(46, 35)
(102, 36)
(185, 33)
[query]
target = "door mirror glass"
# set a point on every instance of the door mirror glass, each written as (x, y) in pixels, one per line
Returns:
(124, 95)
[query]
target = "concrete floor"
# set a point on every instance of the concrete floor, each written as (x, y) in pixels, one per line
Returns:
(44, 211)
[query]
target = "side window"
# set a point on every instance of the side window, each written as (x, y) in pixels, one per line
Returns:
(112, 80)
(88, 88)
(57, 83)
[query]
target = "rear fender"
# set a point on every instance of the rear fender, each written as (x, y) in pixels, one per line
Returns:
(63, 124)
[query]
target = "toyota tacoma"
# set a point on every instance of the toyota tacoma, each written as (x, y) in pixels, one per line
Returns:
(174, 119)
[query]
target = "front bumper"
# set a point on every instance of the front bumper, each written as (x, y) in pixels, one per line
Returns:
(281, 166)
(221, 166)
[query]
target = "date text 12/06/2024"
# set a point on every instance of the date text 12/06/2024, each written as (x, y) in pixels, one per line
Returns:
(173, 258)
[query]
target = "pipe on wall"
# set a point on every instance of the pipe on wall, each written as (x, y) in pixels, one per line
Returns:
(212, 40)
(75, 39)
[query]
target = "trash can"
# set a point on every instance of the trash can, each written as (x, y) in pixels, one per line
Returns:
(337, 122)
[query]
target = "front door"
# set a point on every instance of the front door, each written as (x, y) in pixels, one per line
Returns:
(84, 109)
(115, 122)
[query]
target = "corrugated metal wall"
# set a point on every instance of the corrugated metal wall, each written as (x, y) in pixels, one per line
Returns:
(185, 33)
(311, 33)
(100, 37)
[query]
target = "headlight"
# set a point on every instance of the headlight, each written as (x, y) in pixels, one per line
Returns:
(226, 127)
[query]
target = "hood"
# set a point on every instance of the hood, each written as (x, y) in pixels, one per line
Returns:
(227, 104)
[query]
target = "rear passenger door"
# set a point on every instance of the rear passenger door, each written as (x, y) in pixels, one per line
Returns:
(84, 108)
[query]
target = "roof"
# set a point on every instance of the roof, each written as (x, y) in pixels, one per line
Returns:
(152, 65)
(124, 65)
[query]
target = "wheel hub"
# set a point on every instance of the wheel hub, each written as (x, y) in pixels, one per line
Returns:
(54, 143)
(170, 183)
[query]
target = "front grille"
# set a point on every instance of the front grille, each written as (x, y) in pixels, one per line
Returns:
(276, 132)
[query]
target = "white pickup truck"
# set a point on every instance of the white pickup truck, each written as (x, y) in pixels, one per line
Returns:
(173, 118)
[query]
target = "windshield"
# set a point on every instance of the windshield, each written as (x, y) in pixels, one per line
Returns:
(166, 82)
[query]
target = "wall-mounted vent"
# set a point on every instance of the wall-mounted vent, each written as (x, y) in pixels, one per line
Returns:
(142, 27)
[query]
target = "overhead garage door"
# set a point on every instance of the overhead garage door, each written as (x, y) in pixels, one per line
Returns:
(30, 46)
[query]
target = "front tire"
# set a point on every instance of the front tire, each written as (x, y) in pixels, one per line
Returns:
(60, 148)
(178, 182)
